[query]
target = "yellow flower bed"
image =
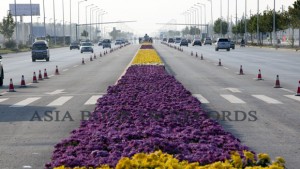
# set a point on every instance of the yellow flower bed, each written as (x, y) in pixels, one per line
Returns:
(147, 57)
(160, 160)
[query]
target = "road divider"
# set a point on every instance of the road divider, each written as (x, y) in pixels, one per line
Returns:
(34, 79)
(45, 74)
(11, 86)
(56, 70)
(23, 84)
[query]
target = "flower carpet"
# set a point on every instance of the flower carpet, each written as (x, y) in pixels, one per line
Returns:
(149, 120)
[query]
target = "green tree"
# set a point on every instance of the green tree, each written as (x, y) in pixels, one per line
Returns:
(194, 30)
(115, 33)
(294, 15)
(185, 31)
(85, 34)
(7, 27)
(217, 26)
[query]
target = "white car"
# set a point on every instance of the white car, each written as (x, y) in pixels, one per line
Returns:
(86, 47)
(223, 43)
(1, 72)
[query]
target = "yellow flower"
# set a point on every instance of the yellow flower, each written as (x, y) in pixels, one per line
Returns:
(147, 57)
(249, 155)
(263, 156)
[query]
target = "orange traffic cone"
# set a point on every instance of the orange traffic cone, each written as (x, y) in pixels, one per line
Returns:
(11, 86)
(45, 74)
(201, 56)
(82, 62)
(196, 55)
(259, 77)
(23, 82)
(40, 75)
(95, 56)
(91, 58)
(34, 79)
(241, 70)
(100, 54)
(56, 70)
(277, 83)
(192, 53)
(220, 64)
(298, 91)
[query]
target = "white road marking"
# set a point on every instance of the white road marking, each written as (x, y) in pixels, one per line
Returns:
(4, 99)
(232, 98)
(65, 70)
(59, 91)
(51, 75)
(27, 166)
(287, 90)
(267, 99)
(293, 97)
(26, 102)
(3, 93)
(60, 101)
(92, 100)
(75, 66)
(226, 68)
(233, 90)
(201, 98)
(28, 84)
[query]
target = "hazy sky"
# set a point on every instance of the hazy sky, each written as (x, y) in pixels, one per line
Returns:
(146, 12)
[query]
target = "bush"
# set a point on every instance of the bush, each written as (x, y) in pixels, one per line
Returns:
(22, 46)
(11, 44)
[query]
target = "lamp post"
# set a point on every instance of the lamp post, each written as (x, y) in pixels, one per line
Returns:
(104, 12)
(45, 34)
(77, 31)
(274, 29)
(236, 20)
(31, 32)
(257, 23)
(54, 23)
(211, 14)
(91, 11)
(221, 17)
(200, 14)
(17, 36)
(246, 21)
(63, 25)
(86, 22)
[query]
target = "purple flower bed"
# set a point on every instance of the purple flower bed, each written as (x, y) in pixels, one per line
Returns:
(147, 110)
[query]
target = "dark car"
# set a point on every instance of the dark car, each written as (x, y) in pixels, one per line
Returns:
(197, 42)
(119, 42)
(165, 39)
(184, 42)
(40, 51)
(232, 44)
(100, 43)
(106, 43)
(1, 72)
(74, 45)
(171, 40)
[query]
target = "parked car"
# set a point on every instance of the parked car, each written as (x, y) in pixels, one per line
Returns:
(40, 51)
(223, 43)
(100, 43)
(165, 39)
(1, 72)
(171, 40)
(106, 43)
(207, 41)
(86, 47)
(197, 42)
(74, 45)
(184, 42)
(177, 40)
(119, 42)
(232, 44)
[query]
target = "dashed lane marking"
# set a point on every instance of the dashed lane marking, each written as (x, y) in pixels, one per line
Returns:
(201, 98)
(92, 100)
(232, 99)
(267, 99)
(4, 99)
(26, 102)
(60, 101)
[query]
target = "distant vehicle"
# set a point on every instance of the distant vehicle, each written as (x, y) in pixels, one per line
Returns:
(74, 45)
(165, 39)
(232, 44)
(119, 42)
(40, 51)
(86, 47)
(106, 43)
(1, 72)
(177, 40)
(223, 43)
(243, 44)
(171, 40)
(207, 41)
(189, 41)
(100, 43)
(184, 42)
(197, 42)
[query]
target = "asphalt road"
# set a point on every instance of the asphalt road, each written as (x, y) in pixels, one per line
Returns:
(34, 119)
(262, 117)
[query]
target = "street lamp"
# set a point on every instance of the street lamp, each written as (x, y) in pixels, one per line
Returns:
(86, 22)
(77, 27)
(102, 27)
(274, 29)
(54, 22)
(246, 21)
(91, 11)
(200, 15)
(221, 17)
(63, 25)
(257, 23)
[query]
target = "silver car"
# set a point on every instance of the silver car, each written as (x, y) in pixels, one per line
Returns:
(223, 43)
(1, 72)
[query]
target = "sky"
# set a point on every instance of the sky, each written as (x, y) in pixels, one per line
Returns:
(146, 13)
